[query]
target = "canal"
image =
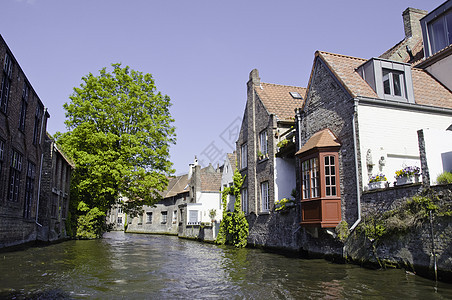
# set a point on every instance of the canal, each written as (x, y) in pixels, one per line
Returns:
(132, 266)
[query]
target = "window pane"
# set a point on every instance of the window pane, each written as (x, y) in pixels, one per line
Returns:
(386, 84)
(397, 84)
(449, 27)
(438, 35)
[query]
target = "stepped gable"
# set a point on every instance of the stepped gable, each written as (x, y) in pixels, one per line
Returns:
(278, 100)
(427, 90)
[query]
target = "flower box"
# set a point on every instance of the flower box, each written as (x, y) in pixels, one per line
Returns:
(377, 185)
(407, 179)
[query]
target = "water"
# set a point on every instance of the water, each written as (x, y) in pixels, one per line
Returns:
(131, 266)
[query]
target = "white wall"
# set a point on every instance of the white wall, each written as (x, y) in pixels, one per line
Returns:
(206, 201)
(285, 180)
(392, 133)
(438, 148)
(441, 71)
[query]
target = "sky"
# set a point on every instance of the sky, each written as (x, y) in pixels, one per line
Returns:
(200, 52)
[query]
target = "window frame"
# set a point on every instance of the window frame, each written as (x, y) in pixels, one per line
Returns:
(164, 215)
(244, 156)
(15, 176)
(263, 142)
(433, 32)
(322, 176)
(265, 196)
(149, 217)
(29, 189)
(244, 200)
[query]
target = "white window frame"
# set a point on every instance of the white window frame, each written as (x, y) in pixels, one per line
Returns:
(265, 197)
(149, 217)
(390, 76)
(164, 217)
(244, 196)
(244, 156)
(174, 216)
(263, 142)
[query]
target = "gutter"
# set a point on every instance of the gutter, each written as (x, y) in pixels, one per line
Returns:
(358, 196)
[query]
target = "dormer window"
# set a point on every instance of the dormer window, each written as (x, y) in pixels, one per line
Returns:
(437, 29)
(393, 83)
(390, 80)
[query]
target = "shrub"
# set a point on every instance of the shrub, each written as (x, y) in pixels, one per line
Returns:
(444, 178)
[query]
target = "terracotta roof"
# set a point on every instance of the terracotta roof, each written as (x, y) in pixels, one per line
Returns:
(210, 181)
(427, 90)
(321, 139)
(277, 99)
(399, 52)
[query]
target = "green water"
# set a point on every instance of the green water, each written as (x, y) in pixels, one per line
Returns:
(131, 266)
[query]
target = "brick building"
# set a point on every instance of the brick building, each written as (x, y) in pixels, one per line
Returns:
(23, 122)
(54, 193)
(360, 118)
(269, 170)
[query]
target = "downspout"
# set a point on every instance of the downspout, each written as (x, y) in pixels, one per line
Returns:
(39, 191)
(40, 169)
(358, 196)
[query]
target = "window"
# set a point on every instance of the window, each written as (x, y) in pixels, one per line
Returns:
(119, 220)
(164, 217)
(119, 209)
(174, 216)
(140, 220)
(29, 189)
(244, 156)
(440, 32)
(310, 178)
(38, 115)
(6, 83)
(265, 201)
(149, 217)
(23, 110)
(263, 142)
(193, 217)
(244, 199)
(330, 176)
(393, 83)
(2, 151)
(14, 179)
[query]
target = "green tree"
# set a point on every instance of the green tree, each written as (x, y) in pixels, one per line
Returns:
(234, 228)
(119, 133)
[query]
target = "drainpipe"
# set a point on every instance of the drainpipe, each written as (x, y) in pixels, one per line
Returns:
(39, 191)
(358, 196)
(40, 169)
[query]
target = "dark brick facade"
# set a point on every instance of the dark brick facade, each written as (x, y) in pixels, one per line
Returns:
(54, 196)
(23, 122)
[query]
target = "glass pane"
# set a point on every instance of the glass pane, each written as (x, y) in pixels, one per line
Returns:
(386, 84)
(327, 180)
(332, 160)
(333, 191)
(328, 191)
(333, 180)
(397, 84)
(438, 35)
(327, 162)
(449, 27)
(327, 170)
(333, 172)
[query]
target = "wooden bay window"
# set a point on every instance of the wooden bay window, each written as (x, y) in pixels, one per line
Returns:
(320, 189)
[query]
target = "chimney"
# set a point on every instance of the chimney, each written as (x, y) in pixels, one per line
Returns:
(191, 167)
(411, 17)
(254, 77)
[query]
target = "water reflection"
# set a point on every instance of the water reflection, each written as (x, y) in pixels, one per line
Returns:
(160, 267)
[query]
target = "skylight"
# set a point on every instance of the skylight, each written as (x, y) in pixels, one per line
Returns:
(296, 95)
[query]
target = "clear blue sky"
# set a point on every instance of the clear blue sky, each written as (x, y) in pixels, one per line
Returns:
(200, 52)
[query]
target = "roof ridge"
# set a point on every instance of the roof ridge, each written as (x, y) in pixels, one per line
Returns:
(341, 55)
(283, 85)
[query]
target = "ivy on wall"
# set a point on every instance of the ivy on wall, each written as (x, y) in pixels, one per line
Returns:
(234, 227)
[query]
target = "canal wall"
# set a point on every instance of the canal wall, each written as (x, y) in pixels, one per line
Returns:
(413, 248)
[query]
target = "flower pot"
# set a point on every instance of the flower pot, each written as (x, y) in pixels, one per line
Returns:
(407, 179)
(377, 185)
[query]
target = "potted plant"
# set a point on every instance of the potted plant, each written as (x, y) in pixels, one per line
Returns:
(284, 204)
(378, 181)
(408, 175)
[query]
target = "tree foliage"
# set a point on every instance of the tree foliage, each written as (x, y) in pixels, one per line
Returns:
(119, 133)
(234, 227)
